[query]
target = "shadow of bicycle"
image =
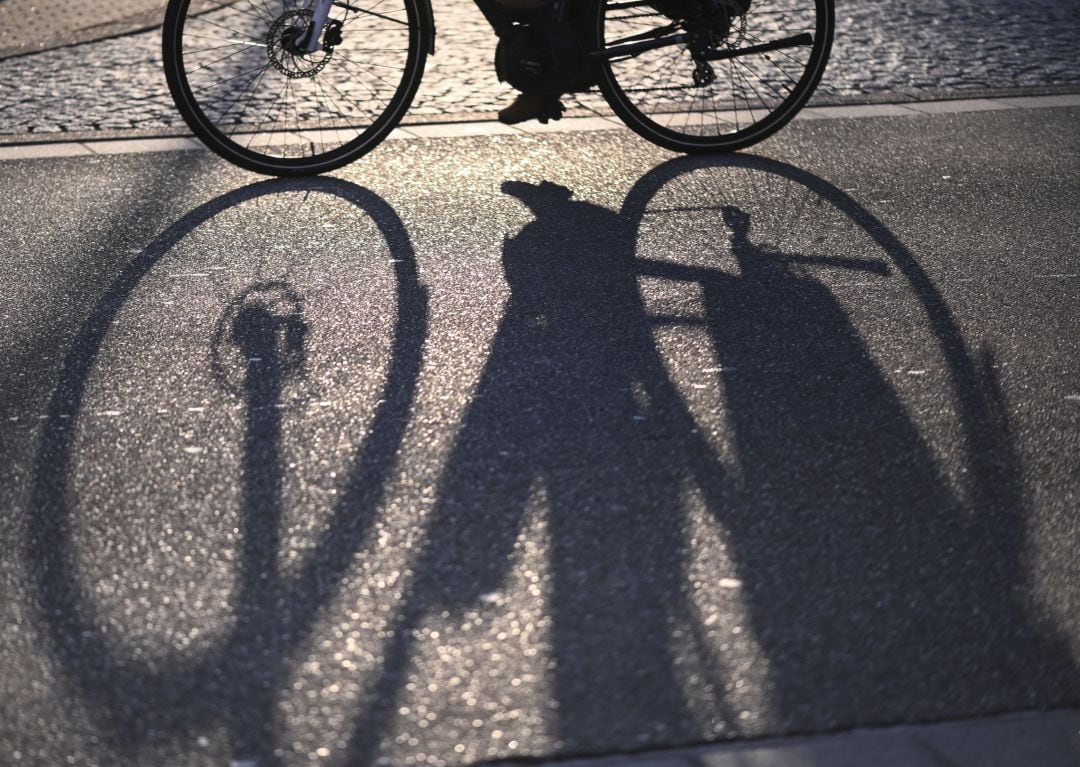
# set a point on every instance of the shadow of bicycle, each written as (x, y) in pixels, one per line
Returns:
(735, 520)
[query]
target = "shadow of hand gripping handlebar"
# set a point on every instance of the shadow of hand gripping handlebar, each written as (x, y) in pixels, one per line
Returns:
(258, 348)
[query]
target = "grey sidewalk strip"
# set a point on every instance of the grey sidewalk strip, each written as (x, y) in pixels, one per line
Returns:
(856, 111)
(115, 146)
(457, 130)
(140, 146)
(1042, 102)
(1045, 739)
(967, 105)
(44, 151)
(572, 125)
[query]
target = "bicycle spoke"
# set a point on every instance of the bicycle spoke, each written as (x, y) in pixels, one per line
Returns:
(762, 63)
(216, 61)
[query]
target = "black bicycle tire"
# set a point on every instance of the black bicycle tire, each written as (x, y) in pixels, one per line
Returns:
(778, 117)
(420, 44)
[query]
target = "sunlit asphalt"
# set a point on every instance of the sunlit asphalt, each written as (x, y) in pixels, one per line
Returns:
(539, 445)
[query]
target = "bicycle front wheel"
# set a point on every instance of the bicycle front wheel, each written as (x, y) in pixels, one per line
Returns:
(704, 76)
(248, 91)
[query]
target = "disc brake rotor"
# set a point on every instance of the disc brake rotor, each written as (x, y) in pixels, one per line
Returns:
(282, 51)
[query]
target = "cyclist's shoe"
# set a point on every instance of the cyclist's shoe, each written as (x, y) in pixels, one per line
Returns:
(531, 106)
(585, 80)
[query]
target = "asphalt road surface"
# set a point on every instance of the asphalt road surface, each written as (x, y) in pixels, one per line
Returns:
(525, 446)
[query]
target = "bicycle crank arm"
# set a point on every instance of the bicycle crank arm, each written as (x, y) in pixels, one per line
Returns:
(777, 45)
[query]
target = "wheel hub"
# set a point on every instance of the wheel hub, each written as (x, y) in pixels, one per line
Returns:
(717, 22)
(282, 50)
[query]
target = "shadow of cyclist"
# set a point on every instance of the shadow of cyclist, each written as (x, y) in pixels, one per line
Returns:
(855, 555)
(574, 419)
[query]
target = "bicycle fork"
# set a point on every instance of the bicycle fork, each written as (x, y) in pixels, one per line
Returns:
(309, 42)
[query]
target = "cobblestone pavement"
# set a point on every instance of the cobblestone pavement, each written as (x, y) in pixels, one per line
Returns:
(882, 47)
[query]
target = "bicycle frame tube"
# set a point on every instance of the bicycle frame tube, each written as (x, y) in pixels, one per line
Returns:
(634, 48)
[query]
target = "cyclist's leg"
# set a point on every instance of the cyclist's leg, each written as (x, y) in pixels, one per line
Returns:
(506, 18)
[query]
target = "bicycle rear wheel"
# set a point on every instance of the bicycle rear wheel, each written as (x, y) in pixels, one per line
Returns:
(246, 91)
(700, 76)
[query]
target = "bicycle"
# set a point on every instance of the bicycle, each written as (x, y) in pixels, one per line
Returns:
(306, 86)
